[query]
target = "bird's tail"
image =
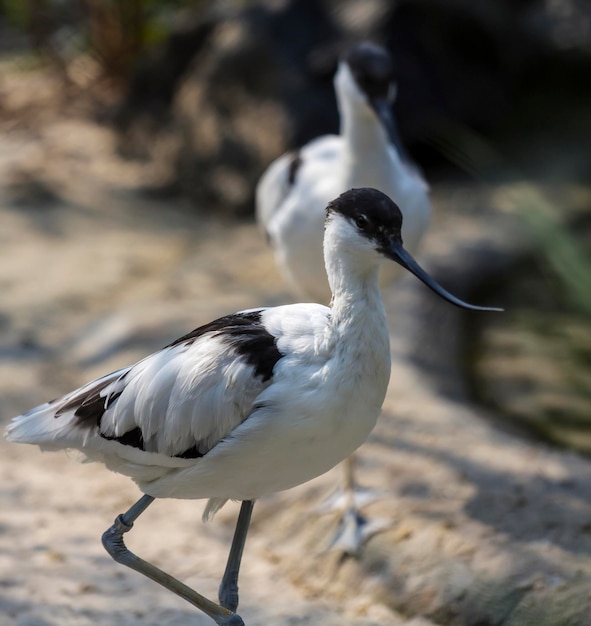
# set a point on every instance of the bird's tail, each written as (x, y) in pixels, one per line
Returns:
(66, 422)
(40, 426)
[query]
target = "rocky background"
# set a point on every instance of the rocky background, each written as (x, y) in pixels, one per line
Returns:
(127, 169)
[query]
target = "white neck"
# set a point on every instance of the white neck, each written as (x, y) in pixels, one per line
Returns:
(350, 281)
(365, 139)
(362, 131)
(358, 318)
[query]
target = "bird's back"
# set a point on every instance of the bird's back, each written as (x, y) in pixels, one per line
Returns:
(291, 203)
(285, 175)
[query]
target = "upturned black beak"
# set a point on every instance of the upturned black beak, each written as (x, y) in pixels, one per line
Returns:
(398, 254)
(383, 108)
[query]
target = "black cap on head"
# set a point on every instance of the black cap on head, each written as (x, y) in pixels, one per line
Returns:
(373, 213)
(372, 68)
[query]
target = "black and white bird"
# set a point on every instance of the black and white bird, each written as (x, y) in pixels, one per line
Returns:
(255, 402)
(292, 195)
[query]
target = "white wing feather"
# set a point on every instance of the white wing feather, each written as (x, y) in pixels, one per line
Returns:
(275, 186)
(187, 395)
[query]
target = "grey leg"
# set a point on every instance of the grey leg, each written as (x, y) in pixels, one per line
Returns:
(115, 546)
(228, 592)
(354, 529)
(350, 536)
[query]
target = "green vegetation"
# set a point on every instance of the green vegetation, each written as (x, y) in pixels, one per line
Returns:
(533, 363)
(115, 33)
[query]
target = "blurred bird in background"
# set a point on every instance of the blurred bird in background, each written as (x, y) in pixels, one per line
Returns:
(292, 194)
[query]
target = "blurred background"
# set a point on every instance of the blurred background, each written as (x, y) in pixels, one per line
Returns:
(132, 135)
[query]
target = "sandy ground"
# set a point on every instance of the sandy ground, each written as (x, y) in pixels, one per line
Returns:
(485, 526)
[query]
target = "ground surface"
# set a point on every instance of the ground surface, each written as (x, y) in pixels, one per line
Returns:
(487, 527)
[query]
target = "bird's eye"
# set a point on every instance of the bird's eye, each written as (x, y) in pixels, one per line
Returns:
(361, 221)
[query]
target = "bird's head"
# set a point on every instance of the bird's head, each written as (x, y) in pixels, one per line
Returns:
(365, 79)
(368, 223)
(366, 74)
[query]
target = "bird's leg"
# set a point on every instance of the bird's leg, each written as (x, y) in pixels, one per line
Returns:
(115, 546)
(228, 591)
(349, 481)
(354, 528)
(349, 536)
(348, 493)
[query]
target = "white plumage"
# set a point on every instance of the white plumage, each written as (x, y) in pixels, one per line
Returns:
(211, 428)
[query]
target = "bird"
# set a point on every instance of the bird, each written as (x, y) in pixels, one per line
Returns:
(290, 201)
(252, 403)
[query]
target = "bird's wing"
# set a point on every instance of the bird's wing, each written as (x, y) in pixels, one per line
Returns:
(274, 186)
(178, 402)
(283, 174)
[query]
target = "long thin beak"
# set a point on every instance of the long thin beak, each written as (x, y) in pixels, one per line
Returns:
(382, 107)
(402, 257)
